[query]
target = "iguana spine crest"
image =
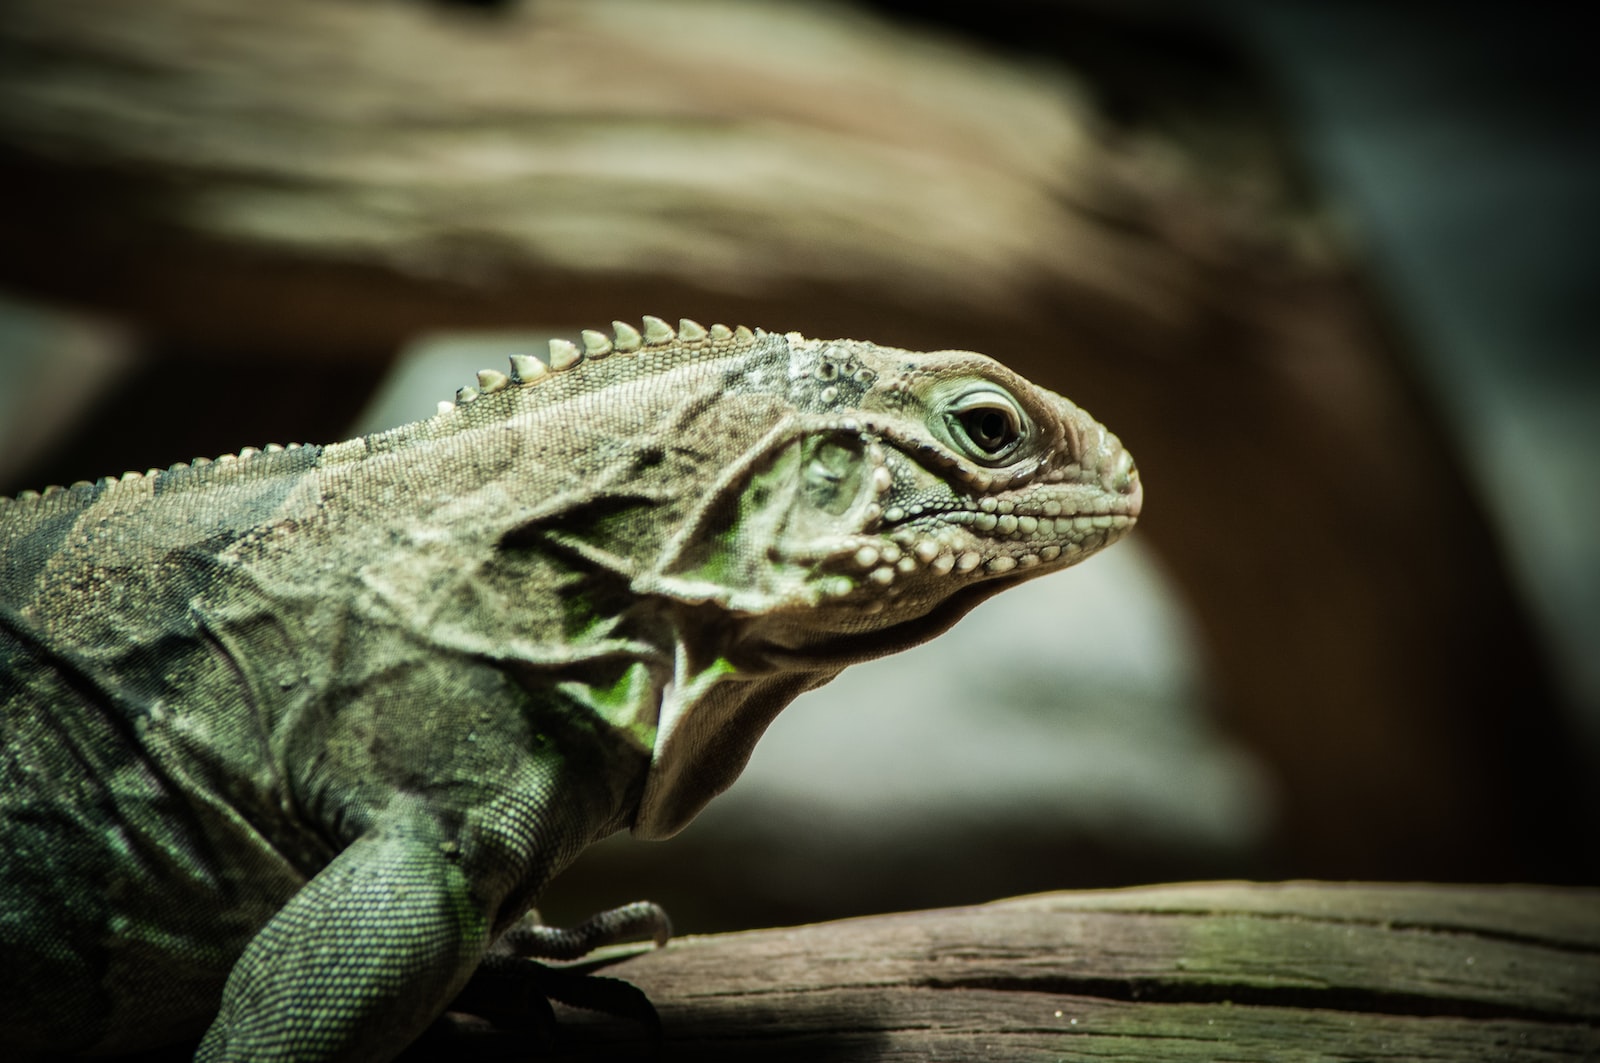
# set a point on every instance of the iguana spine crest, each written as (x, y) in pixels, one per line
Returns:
(526, 370)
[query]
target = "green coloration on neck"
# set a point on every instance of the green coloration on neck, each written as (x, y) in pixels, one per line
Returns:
(626, 702)
(711, 673)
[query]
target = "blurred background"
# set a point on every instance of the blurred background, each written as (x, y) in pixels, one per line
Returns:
(1329, 270)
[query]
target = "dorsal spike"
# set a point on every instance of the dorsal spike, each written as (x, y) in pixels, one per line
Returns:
(743, 334)
(690, 331)
(657, 332)
(446, 406)
(721, 333)
(628, 338)
(527, 369)
(466, 395)
(595, 344)
(491, 381)
(564, 354)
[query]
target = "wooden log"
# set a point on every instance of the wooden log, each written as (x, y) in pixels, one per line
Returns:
(367, 170)
(1225, 971)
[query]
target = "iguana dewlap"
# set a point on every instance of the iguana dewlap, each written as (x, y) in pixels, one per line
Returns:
(291, 739)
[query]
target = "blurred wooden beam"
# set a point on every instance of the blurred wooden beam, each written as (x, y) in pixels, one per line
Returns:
(368, 169)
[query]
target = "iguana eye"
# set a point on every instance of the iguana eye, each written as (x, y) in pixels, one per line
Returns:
(986, 425)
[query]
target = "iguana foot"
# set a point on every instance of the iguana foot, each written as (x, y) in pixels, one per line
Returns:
(513, 992)
(629, 922)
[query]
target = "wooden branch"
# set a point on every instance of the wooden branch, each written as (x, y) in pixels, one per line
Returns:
(352, 160)
(1229, 971)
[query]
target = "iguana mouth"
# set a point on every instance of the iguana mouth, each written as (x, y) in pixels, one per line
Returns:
(1011, 521)
(1050, 523)
(1022, 541)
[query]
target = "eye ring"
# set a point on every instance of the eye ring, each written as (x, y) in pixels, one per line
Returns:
(990, 427)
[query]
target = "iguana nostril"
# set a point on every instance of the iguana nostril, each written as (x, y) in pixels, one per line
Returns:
(1123, 476)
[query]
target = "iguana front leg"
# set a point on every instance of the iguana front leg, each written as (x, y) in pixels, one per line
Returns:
(360, 960)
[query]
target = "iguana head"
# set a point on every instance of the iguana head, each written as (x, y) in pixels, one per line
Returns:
(791, 506)
(902, 486)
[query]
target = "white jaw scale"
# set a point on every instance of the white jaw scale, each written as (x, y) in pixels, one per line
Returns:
(997, 537)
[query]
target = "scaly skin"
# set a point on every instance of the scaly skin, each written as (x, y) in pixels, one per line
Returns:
(291, 739)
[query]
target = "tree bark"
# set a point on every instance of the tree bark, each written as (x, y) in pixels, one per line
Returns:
(1298, 971)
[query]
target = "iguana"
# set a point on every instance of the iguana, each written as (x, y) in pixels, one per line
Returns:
(292, 739)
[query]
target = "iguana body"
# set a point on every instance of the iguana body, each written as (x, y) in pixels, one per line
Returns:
(298, 735)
